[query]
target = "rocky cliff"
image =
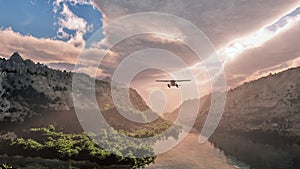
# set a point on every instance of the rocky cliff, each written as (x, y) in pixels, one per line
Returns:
(26, 87)
(268, 105)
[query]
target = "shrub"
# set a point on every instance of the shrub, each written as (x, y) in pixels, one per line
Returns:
(80, 146)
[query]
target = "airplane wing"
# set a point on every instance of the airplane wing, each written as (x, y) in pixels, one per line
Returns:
(182, 80)
(163, 80)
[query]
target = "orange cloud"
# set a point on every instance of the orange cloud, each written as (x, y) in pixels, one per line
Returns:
(38, 49)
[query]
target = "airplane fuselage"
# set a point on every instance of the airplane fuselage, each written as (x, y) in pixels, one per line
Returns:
(173, 83)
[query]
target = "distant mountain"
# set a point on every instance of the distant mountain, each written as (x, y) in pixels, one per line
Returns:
(269, 105)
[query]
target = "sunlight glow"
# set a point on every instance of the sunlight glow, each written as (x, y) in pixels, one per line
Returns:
(258, 38)
(254, 40)
(174, 37)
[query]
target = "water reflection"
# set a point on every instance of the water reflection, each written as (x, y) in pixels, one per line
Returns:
(192, 155)
(260, 155)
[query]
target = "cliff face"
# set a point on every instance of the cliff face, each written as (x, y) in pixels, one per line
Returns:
(26, 87)
(267, 105)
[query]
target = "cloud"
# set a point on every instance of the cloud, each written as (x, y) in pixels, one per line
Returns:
(260, 37)
(68, 21)
(221, 21)
(55, 53)
(224, 22)
(295, 62)
(33, 2)
(147, 41)
(279, 53)
(38, 49)
(57, 3)
(62, 66)
(92, 71)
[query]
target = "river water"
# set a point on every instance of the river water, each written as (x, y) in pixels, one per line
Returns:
(190, 154)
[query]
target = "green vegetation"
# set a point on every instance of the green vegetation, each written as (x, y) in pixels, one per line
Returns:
(50, 143)
(165, 128)
(114, 148)
(149, 123)
(6, 166)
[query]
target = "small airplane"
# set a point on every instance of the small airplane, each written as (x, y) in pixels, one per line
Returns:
(173, 82)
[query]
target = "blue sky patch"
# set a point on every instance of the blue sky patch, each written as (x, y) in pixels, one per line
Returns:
(37, 18)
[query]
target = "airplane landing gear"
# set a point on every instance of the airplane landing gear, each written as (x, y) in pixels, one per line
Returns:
(169, 86)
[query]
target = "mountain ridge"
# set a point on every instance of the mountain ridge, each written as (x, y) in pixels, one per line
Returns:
(269, 104)
(26, 86)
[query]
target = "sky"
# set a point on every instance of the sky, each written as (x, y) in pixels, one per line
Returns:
(41, 19)
(252, 38)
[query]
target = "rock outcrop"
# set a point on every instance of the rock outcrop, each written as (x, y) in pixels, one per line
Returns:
(26, 87)
(270, 104)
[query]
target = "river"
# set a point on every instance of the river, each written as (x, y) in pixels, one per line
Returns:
(189, 154)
